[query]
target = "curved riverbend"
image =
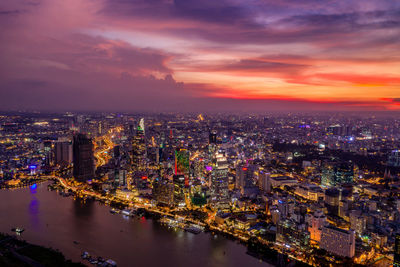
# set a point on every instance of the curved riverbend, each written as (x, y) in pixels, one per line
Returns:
(54, 221)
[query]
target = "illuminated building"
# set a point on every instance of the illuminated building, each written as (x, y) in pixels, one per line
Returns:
(179, 190)
(212, 144)
(117, 151)
(62, 153)
(318, 221)
(285, 207)
(83, 158)
(358, 222)
(244, 176)
(291, 234)
(338, 241)
(219, 180)
(100, 128)
(140, 180)
(212, 138)
(182, 165)
(340, 130)
(139, 148)
(396, 262)
(394, 158)
(163, 191)
(282, 181)
(126, 194)
(332, 197)
(275, 214)
(119, 177)
(264, 181)
(309, 191)
(199, 168)
(335, 173)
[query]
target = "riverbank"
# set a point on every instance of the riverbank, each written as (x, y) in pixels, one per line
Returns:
(261, 251)
(17, 184)
(15, 252)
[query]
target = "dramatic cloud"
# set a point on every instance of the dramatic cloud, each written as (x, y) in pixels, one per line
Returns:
(193, 55)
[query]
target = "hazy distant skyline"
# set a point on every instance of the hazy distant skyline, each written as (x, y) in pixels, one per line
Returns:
(186, 55)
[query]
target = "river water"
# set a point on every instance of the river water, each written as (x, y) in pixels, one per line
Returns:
(55, 221)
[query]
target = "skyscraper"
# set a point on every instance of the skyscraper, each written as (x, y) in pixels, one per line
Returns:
(179, 190)
(394, 158)
(219, 180)
(83, 158)
(163, 191)
(332, 198)
(244, 176)
(212, 138)
(396, 262)
(182, 165)
(318, 220)
(336, 173)
(264, 182)
(212, 144)
(62, 153)
(139, 148)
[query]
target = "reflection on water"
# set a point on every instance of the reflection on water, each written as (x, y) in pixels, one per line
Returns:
(217, 250)
(34, 207)
(83, 208)
(130, 242)
(33, 188)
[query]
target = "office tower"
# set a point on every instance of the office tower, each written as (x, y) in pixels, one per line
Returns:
(212, 138)
(285, 207)
(344, 208)
(394, 158)
(219, 180)
(140, 180)
(358, 222)
(275, 215)
(244, 176)
(179, 190)
(199, 168)
(212, 144)
(291, 233)
(117, 151)
(338, 241)
(337, 173)
(100, 128)
(83, 158)
(80, 119)
(163, 191)
(62, 153)
(332, 197)
(264, 181)
(396, 262)
(182, 165)
(340, 130)
(119, 177)
(139, 148)
(318, 220)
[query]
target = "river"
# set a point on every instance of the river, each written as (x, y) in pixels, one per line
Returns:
(55, 221)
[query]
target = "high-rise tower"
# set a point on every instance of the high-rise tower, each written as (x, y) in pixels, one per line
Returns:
(139, 148)
(396, 262)
(83, 158)
(219, 180)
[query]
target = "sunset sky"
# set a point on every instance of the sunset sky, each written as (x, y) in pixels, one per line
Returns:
(193, 55)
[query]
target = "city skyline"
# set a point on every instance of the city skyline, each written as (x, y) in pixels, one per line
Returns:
(199, 56)
(194, 189)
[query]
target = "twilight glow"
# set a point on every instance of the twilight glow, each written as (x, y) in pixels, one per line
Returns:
(129, 55)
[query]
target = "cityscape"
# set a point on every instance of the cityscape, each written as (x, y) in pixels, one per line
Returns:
(296, 189)
(199, 133)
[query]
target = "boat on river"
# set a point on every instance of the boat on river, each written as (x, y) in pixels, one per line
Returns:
(18, 230)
